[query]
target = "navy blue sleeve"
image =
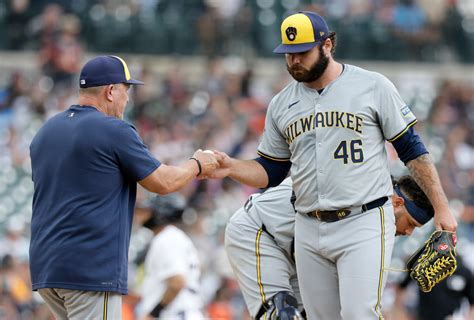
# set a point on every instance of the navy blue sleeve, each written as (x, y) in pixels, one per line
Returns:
(409, 146)
(134, 158)
(276, 170)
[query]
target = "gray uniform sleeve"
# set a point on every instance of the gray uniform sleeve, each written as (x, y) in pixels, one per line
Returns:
(395, 116)
(273, 144)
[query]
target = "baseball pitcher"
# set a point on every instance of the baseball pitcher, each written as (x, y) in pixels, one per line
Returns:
(329, 127)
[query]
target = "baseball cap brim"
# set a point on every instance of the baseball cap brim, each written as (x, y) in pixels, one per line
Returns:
(134, 81)
(295, 48)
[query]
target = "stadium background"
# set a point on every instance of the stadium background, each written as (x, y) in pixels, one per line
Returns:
(209, 75)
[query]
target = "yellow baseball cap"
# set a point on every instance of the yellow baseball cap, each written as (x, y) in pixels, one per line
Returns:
(301, 32)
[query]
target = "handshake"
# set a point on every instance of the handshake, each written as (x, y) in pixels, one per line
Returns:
(212, 164)
(217, 165)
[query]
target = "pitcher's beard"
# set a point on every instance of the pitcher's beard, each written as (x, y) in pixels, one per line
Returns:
(314, 73)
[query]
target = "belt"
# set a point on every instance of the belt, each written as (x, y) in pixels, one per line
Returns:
(336, 215)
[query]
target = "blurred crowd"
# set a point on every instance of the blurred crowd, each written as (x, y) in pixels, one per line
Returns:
(224, 110)
(397, 30)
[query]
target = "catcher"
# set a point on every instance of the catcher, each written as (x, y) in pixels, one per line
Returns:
(259, 244)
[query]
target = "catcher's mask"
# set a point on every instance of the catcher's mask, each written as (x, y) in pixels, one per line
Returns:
(165, 209)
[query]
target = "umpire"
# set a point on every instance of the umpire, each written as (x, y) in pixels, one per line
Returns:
(86, 162)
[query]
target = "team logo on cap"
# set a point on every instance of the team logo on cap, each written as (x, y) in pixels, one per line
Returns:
(291, 33)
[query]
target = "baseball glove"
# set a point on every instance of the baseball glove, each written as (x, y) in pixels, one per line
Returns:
(434, 261)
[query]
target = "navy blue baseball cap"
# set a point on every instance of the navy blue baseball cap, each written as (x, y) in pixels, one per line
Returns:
(302, 31)
(104, 70)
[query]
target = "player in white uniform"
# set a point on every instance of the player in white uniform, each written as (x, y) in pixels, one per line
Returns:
(259, 244)
(172, 270)
(330, 127)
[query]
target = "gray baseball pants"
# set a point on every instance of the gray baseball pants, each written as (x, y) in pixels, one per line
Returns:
(340, 264)
(82, 305)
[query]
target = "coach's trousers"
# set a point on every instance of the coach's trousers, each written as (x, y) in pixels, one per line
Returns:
(81, 305)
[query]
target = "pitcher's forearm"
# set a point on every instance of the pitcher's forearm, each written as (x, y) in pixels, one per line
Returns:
(249, 172)
(424, 172)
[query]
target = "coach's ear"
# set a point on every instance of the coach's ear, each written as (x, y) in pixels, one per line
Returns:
(397, 201)
(108, 92)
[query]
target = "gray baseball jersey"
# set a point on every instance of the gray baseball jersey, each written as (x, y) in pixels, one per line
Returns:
(258, 242)
(335, 141)
(274, 210)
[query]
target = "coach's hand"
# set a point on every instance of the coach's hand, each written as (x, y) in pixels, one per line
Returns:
(207, 161)
(225, 165)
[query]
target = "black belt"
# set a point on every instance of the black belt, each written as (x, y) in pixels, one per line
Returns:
(336, 215)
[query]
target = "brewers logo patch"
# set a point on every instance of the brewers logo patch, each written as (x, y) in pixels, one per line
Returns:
(405, 110)
(291, 33)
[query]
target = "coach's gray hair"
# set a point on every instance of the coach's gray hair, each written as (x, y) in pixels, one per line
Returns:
(91, 90)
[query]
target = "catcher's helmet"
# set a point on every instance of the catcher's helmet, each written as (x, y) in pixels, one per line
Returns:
(165, 209)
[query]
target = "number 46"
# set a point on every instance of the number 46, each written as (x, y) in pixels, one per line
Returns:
(355, 147)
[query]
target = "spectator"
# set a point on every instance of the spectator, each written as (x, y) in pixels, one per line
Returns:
(18, 16)
(410, 28)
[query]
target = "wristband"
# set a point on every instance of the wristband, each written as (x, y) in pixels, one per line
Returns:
(155, 313)
(199, 165)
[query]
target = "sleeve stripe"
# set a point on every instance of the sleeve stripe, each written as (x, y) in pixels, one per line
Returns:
(271, 158)
(403, 131)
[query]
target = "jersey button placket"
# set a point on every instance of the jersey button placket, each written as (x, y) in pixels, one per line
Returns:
(318, 145)
(319, 168)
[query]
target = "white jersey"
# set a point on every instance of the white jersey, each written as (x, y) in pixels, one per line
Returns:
(336, 142)
(172, 253)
